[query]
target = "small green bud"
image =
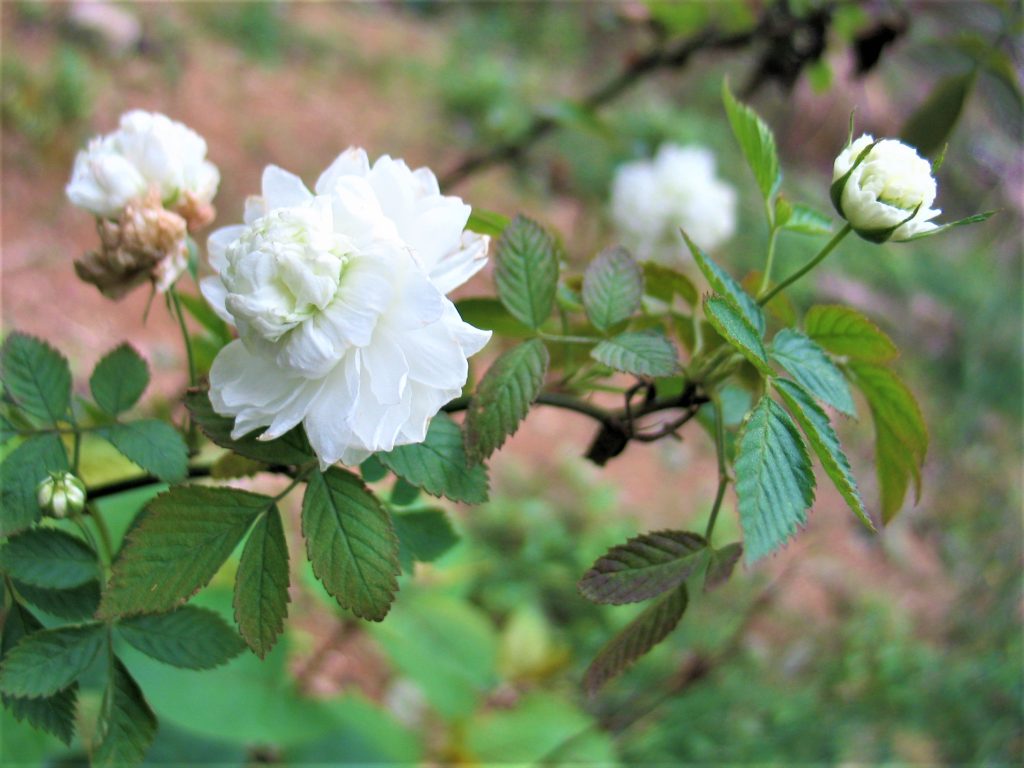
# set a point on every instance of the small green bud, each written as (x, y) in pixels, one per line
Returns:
(61, 493)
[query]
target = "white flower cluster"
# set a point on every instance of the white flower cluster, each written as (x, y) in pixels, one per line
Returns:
(888, 194)
(652, 199)
(147, 151)
(148, 183)
(339, 299)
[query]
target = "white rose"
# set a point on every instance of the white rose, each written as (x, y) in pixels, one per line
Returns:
(339, 300)
(147, 151)
(653, 199)
(888, 194)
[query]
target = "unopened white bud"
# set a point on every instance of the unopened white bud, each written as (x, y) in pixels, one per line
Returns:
(61, 493)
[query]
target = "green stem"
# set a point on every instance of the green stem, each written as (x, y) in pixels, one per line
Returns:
(106, 542)
(568, 339)
(180, 315)
(764, 298)
(766, 278)
(723, 476)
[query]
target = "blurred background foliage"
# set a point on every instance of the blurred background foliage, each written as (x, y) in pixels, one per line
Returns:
(904, 649)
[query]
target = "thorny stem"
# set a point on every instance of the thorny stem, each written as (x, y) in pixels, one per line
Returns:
(764, 298)
(193, 436)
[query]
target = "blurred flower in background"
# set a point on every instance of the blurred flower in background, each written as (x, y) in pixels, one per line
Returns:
(677, 189)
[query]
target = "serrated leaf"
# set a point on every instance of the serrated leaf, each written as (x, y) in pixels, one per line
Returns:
(36, 377)
(774, 481)
(154, 445)
(734, 328)
(932, 123)
(50, 660)
(75, 604)
(351, 543)
(640, 635)
(261, 584)
(756, 141)
(810, 366)
(721, 564)
(48, 558)
(815, 424)
(723, 284)
(233, 465)
(489, 314)
(526, 271)
(844, 331)
(291, 448)
(126, 726)
(643, 353)
(439, 464)
(612, 288)
(503, 398)
(54, 714)
(119, 380)
(643, 567)
(901, 437)
(663, 283)
(185, 535)
(423, 535)
(805, 220)
(23, 469)
(372, 470)
(403, 493)
(189, 637)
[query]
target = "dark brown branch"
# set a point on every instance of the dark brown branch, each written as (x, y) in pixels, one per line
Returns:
(663, 57)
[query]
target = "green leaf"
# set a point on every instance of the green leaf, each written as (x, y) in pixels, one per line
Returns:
(756, 140)
(403, 493)
(721, 563)
(50, 660)
(774, 481)
(644, 353)
(184, 536)
(36, 377)
(930, 126)
(527, 271)
(664, 283)
(48, 558)
(901, 437)
(503, 398)
(206, 317)
(643, 567)
(423, 535)
(844, 331)
(261, 585)
(486, 222)
(805, 220)
(231, 465)
(734, 328)
(154, 445)
(75, 604)
(811, 367)
(126, 726)
(613, 286)
(372, 470)
(351, 543)
(490, 315)
(815, 424)
(439, 465)
(723, 284)
(23, 469)
(640, 635)
(54, 714)
(119, 380)
(291, 448)
(189, 637)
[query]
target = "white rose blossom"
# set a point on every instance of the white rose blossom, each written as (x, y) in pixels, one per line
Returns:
(147, 151)
(652, 199)
(339, 300)
(888, 194)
